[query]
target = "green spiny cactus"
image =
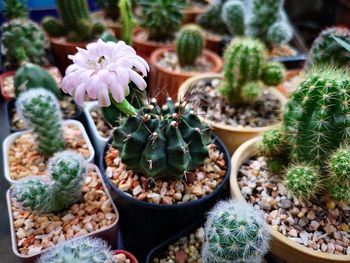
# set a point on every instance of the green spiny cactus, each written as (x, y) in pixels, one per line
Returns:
(23, 39)
(273, 73)
(60, 192)
(211, 20)
(272, 143)
(31, 76)
(326, 49)
(110, 8)
(128, 20)
(189, 44)
(279, 33)
(41, 110)
(53, 26)
(162, 142)
(162, 18)
(340, 192)
(233, 14)
(235, 232)
(15, 9)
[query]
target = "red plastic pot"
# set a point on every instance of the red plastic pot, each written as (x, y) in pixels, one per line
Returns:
(128, 255)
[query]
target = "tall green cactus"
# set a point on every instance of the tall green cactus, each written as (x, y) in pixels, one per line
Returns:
(211, 20)
(128, 20)
(233, 14)
(189, 44)
(41, 110)
(162, 141)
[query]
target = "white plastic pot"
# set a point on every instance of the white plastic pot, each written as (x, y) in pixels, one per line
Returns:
(11, 138)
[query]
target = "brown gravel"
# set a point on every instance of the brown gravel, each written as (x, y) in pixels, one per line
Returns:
(36, 232)
(323, 226)
(24, 159)
(282, 51)
(199, 183)
(102, 126)
(120, 258)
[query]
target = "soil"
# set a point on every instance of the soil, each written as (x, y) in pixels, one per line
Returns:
(282, 51)
(102, 126)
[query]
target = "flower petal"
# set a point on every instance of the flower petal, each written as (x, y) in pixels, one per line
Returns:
(103, 97)
(138, 80)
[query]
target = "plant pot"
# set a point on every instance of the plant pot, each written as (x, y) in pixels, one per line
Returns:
(292, 62)
(289, 251)
(231, 136)
(113, 25)
(108, 233)
(191, 14)
(128, 255)
(156, 223)
(11, 138)
(162, 77)
(8, 95)
(289, 76)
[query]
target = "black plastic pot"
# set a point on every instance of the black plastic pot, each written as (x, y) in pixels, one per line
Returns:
(144, 225)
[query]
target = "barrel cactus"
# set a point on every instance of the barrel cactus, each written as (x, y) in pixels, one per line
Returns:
(40, 109)
(233, 14)
(235, 232)
(62, 190)
(165, 141)
(189, 44)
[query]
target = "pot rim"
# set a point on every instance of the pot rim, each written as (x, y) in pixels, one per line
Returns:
(62, 41)
(128, 254)
(146, 42)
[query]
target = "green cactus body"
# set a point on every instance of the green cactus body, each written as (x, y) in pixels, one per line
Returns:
(128, 20)
(273, 73)
(235, 232)
(189, 45)
(272, 143)
(212, 21)
(60, 192)
(162, 142)
(279, 33)
(53, 26)
(41, 110)
(233, 15)
(31, 76)
(15, 9)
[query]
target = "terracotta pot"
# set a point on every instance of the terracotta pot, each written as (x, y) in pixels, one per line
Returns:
(281, 246)
(115, 26)
(161, 77)
(191, 14)
(128, 255)
(290, 75)
(233, 137)
(213, 43)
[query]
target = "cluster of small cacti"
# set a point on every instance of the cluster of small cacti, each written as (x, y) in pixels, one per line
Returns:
(245, 68)
(15, 9)
(165, 141)
(189, 44)
(62, 190)
(41, 111)
(235, 232)
(75, 22)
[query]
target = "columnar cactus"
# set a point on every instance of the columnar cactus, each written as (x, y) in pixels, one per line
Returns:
(326, 49)
(15, 9)
(60, 192)
(235, 232)
(128, 20)
(163, 141)
(76, 22)
(189, 44)
(79, 250)
(162, 18)
(233, 14)
(245, 65)
(41, 110)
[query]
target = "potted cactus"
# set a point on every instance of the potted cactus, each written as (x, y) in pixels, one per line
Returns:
(304, 163)
(194, 8)
(59, 206)
(27, 152)
(172, 66)
(238, 104)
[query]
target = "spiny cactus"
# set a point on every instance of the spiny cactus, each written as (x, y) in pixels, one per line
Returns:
(76, 22)
(23, 39)
(15, 9)
(233, 14)
(41, 110)
(211, 20)
(245, 65)
(326, 49)
(162, 18)
(235, 232)
(128, 20)
(110, 8)
(272, 143)
(162, 142)
(189, 44)
(279, 33)
(60, 192)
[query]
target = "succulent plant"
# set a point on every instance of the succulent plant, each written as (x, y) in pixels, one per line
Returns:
(162, 18)
(76, 22)
(128, 20)
(62, 190)
(279, 33)
(245, 66)
(233, 15)
(23, 39)
(326, 49)
(165, 141)
(235, 232)
(189, 44)
(110, 8)
(272, 143)
(40, 109)
(15, 9)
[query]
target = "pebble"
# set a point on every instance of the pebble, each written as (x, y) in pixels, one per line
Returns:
(103, 128)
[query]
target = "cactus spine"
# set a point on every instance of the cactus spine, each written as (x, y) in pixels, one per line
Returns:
(235, 232)
(41, 110)
(162, 142)
(233, 14)
(189, 45)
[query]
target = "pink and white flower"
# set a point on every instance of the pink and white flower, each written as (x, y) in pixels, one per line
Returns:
(104, 68)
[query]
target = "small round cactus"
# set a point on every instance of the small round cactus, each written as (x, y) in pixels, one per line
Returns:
(235, 232)
(233, 14)
(41, 111)
(78, 250)
(189, 44)
(340, 192)
(279, 33)
(251, 91)
(339, 165)
(272, 143)
(273, 73)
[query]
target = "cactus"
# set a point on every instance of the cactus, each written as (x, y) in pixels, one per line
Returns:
(76, 22)
(235, 232)
(15, 9)
(162, 142)
(233, 15)
(326, 49)
(110, 8)
(211, 20)
(273, 73)
(279, 33)
(245, 65)
(32, 76)
(62, 190)
(41, 110)
(128, 20)
(272, 143)
(23, 39)
(189, 44)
